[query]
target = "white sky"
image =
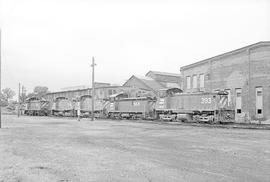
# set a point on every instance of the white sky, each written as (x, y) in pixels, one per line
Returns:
(51, 42)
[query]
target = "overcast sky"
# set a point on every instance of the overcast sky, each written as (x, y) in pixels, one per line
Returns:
(51, 42)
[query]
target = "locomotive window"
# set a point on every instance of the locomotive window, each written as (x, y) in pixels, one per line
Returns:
(259, 111)
(238, 111)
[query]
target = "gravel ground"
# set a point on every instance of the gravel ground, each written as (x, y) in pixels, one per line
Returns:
(57, 149)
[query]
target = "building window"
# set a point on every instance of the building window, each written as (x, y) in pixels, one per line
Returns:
(238, 101)
(259, 93)
(229, 96)
(201, 80)
(238, 111)
(188, 82)
(194, 81)
(259, 102)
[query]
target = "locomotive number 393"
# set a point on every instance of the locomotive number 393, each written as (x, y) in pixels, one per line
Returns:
(206, 100)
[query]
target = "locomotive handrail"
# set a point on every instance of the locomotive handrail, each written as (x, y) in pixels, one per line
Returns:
(139, 98)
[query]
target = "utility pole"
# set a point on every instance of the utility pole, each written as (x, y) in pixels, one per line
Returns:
(19, 103)
(93, 88)
(0, 80)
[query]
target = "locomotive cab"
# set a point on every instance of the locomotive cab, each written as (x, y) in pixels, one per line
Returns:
(163, 107)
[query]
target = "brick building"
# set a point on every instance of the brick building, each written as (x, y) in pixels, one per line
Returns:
(244, 73)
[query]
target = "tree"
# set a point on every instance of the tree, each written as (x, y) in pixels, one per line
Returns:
(39, 91)
(3, 100)
(7, 94)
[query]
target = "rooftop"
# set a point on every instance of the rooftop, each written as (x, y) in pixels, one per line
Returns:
(163, 73)
(77, 90)
(262, 43)
(147, 81)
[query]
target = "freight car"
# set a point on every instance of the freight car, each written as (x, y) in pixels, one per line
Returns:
(36, 107)
(62, 106)
(201, 107)
(121, 107)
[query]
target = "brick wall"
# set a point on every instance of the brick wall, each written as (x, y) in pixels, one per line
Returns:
(231, 71)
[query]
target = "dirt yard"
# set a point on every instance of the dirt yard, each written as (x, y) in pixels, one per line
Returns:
(36, 149)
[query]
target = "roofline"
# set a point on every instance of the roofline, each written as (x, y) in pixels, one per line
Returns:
(261, 43)
(77, 90)
(175, 74)
(140, 81)
(143, 84)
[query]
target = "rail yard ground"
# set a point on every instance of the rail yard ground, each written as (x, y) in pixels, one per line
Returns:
(63, 149)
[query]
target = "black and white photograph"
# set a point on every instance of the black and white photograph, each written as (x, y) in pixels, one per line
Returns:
(135, 91)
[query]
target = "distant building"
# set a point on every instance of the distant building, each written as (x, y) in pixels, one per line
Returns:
(153, 81)
(100, 93)
(144, 83)
(169, 80)
(244, 73)
(97, 84)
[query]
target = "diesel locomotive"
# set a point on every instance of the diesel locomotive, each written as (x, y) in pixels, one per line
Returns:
(36, 107)
(170, 105)
(122, 107)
